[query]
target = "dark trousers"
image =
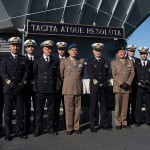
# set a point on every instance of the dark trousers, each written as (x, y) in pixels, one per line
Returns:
(1, 111)
(101, 97)
(8, 110)
(40, 103)
(132, 103)
(27, 110)
(138, 111)
(58, 99)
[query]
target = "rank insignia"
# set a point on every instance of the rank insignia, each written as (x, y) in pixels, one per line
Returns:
(8, 81)
(95, 81)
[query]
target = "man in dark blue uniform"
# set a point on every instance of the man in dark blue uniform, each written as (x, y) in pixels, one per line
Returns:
(132, 98)
(14, 72)
(61, 46)
(46, 79)
(1, 104)
(142, 79)
(99, 73)
(29, 93)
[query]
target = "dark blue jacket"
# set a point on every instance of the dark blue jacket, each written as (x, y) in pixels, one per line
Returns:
(15, 71)
(100, 71)
(46, 75)
(142, 75)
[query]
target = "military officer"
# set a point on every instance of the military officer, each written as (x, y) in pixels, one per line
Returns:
(29, 94)
(71, 71)
(132, 98)
(99, 73)
(14, 72)
(1, 103)
(61, 48)
(142, 79)
(46, 80)
(123, 74)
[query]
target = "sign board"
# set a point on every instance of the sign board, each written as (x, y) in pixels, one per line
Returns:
(63, 29)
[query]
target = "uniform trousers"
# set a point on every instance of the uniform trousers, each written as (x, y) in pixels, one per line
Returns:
(100, 97)
(72, 109)
(59, 98)
(138, 109)
(27, 110)
(40, 104)
(1, 111)
(132, 104)
(121, 108)
(8, 110)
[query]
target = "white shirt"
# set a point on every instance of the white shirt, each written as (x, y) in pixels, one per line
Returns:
(132, 58)
(45, 57)
(14, 55)
(98, 58)
(143, 63)
(29, 56)
(62, 57)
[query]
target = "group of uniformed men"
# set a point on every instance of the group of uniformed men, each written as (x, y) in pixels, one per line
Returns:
(48, 81)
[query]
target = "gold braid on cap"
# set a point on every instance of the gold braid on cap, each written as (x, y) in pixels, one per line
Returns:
(133, 47)
(30, 41)
(15, 39)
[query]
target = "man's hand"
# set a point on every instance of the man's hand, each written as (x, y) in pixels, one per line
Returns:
(125, 86)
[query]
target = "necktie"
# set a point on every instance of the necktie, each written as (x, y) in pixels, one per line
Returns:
(46, 59)
(123, 61)
(31, 58)
(144, 64)
(132, 60)
(15, 57)
(74, 62)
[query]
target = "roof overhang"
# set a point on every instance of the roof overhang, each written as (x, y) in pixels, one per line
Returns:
(128, 14)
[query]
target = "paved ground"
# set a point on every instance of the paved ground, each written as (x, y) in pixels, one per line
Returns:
(125, 139)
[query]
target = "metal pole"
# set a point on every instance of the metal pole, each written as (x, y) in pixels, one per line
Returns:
(23, 35)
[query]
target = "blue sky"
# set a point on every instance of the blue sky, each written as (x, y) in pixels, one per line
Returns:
(141, 36)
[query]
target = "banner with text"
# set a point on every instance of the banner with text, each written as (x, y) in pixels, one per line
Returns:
(63, 29)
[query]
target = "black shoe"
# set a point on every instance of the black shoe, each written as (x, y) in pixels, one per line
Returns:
(93, 130)
(137, 124)
(77, 132)
(52, 132)
(118, 127)
(23, 136)
(8, 138)
(37, 133)
(69, 132)
(125, 126)
(148, 124)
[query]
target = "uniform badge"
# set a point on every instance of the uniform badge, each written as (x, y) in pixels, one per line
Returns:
(8, 81)
(85, 63)
(25, 82)
(95, 81)
(80, 66)
(118, 69)
(95, 66)
(148, 69)
(68, 70)
(128, 67)
(105, 65)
